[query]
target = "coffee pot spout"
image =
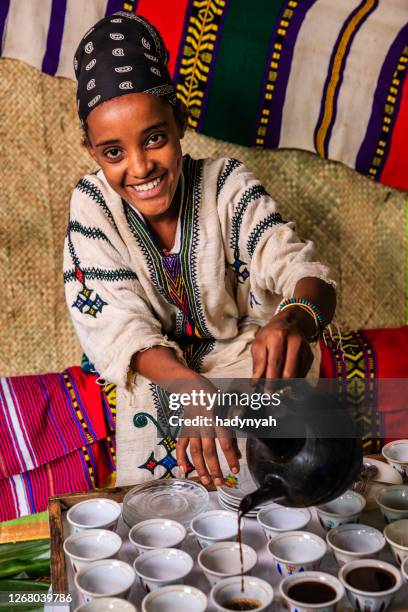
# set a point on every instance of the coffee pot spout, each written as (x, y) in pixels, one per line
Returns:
(271, 490)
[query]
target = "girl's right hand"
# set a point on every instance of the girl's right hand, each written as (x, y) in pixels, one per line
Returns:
(201, 441)
(153, 363)
(204, 456)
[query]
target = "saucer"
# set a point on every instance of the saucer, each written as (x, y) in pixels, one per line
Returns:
(176, 499)
(237, 486)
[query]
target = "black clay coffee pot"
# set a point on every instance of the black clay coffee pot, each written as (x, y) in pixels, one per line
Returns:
(314, 467)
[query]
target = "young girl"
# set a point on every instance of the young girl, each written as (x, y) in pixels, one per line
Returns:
(177, 270)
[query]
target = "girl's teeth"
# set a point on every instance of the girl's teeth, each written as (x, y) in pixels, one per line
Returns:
(148, 186)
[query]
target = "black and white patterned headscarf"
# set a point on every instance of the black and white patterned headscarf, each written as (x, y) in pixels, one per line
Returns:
(121, 54)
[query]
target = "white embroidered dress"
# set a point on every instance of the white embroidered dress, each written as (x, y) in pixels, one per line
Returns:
(233, 261)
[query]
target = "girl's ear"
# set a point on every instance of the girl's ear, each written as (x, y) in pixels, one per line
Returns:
(90, 150)
(87, 144)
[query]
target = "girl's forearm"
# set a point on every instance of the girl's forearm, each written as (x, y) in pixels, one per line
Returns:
(317, 292)
(160, 365)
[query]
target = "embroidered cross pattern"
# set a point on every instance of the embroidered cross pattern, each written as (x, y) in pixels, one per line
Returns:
(168, 462)
(241, 270)
(89, 302)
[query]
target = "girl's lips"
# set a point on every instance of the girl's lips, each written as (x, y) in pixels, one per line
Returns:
(149, 193)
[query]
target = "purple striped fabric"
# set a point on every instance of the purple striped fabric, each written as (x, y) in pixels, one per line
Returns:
(372, 136)
(343, 65)
(113, 6)
(274, 128)
(4, 9)
(54, 38)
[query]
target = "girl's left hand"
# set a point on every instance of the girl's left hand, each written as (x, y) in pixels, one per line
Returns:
(281, 349)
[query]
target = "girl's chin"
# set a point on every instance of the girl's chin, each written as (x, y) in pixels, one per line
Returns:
(151, 209)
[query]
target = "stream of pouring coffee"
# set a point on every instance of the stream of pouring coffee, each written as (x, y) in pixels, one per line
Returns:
(247, 503)
(241, 552)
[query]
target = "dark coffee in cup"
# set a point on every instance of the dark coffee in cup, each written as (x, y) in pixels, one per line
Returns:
(242, 603)
(370, 579)
(312, 592)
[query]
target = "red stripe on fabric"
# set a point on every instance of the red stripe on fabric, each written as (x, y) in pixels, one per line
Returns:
(12, 450)
(395, 169)
(47, 418)
(33, 400)
(327, 368)
(40, 396)
(65, 475)
(25, 395)
(20, 413)
(6, 445)
(85, 388)
(168, 17)
(8, 509)
(391, 349)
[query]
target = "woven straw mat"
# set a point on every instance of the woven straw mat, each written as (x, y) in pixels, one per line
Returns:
(358, 226)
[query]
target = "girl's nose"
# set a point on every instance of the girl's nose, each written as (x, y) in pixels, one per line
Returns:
(140, 165)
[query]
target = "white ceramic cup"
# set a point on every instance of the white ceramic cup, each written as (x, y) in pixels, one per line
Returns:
(297, 551)
(393, 502)
(404, 569)
(370, 601)
(215, 526)
(353, 541)
(179, 597)
(156, 533)
(162, 566)
(98, 513)
(306, 606)
(107, 578)
(344, 509)
(275, 519)
(222, 560)
(396, 534)
(84, 547)
(396, 454)
(107, 604)
(230, 588)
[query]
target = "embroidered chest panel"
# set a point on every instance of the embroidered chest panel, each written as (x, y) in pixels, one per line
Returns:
(175, 276)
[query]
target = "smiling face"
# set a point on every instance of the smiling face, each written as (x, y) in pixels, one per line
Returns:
(135, 139)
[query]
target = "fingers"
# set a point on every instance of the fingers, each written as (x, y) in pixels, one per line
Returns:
(197, 458)
(211, 458)
(259, 356)
(299, 358)
(181, 453)
(293, 357)
(277, 355)
(283, 356)
(205, 459)
(229, 447)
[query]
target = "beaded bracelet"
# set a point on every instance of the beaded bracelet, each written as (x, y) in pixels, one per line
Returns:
(311, 308)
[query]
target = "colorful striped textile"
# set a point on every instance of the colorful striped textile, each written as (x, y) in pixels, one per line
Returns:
(55, 437)
(369, 355)
(316, 75)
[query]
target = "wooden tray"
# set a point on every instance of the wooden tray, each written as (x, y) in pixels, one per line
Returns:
(61, 503)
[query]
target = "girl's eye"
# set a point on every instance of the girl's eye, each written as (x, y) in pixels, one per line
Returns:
(156, 139)
(113, 154)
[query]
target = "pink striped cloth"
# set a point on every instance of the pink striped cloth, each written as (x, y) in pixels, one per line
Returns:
(55, 437)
